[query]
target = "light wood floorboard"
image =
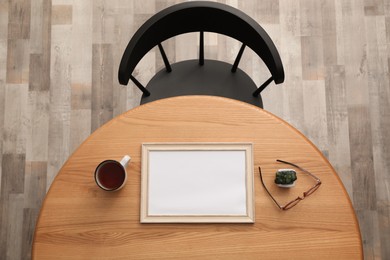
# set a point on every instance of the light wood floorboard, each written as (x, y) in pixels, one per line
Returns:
(58, 84)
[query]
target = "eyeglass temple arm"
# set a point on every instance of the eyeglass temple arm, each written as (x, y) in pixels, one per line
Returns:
(300, 168)
(269, 193)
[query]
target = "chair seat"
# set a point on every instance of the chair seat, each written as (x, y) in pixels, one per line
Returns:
(213, 78)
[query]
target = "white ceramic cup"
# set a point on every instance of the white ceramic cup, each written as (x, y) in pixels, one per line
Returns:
(111, 175)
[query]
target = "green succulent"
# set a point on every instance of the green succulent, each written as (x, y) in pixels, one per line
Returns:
(285, 177)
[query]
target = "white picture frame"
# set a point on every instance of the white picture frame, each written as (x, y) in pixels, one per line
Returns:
(197, 183)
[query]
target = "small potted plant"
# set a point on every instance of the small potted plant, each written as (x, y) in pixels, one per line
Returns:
(285, 178)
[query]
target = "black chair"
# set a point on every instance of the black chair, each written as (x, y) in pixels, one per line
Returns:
(200, 76)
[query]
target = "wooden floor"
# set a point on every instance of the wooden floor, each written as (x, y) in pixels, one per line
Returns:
(58, 83)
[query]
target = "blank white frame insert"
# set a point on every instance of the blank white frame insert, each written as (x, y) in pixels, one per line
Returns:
(197, 183)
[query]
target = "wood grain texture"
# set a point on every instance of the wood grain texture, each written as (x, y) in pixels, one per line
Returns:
(60, 100)
(37, 126)
(377, 60)
(337, 124)
(15, 228)
(15, 119)
(314, 114)
(18, 61)
(329, 32)
(34, 192)
(102, 85)
(30, 216)
(19, 19)
(61, 14)
(4, 7)
(58, 67)
(65, 221)
(11, 205)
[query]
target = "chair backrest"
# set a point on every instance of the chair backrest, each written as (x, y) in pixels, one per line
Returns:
(200, 16)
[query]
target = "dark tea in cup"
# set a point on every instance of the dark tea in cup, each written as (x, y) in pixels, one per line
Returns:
(110, 175)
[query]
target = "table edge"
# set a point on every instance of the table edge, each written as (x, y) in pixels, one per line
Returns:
(357, 227)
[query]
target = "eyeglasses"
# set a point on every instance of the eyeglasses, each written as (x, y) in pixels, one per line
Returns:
(298, 199)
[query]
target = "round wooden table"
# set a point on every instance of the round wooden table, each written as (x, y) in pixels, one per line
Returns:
(80, 221)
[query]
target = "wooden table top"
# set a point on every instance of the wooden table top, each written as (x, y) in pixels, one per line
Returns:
(80, 221)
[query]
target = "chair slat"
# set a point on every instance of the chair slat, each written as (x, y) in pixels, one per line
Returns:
(201, 49)
(140, 86)
(262, 87)
(164, 57)
(238, 58)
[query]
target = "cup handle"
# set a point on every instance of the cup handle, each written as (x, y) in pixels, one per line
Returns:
(125, 161)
